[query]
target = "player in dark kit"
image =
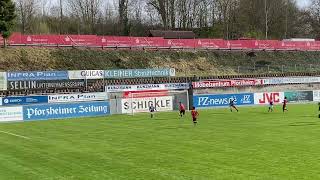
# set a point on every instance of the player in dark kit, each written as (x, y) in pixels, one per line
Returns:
(152, 109)
(270, 106)
(232, 105)
(284, 106)
(194, 114)
(182, 109)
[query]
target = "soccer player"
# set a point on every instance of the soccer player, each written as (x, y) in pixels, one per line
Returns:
(284, 106)
(232, 105)
(195, 115)
(270, 105)
(182, 109)
(152, 109)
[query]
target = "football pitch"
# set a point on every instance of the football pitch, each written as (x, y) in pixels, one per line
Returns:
(251, 144)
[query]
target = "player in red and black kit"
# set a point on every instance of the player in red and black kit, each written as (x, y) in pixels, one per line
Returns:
(195, 115)
(182, 109)
(284, 106)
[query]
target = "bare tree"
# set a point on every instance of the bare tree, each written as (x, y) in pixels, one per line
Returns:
(87, 11)
(161, 7)
(123, 17)
(26, 13)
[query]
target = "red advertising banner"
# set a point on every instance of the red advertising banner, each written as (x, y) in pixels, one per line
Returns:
(148, 42)
(227, 83)
(17, 39)
(117, 41)
(211, 43)
(180, 43)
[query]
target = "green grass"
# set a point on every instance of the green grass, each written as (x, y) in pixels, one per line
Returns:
(251, 144)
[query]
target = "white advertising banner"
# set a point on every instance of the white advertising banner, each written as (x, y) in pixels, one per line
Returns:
(291, 80)
(316, 96)
(3, 81)
(11, 114)
(0, 101)
(77, 97)
(142, 104)
(265, 98)
(86, 74)
(146, 87)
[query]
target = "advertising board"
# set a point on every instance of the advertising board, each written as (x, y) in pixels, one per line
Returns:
(22, 100)
(86, 74)
(291, 80)
(299, 96)
(37, 75)
(265, 98)
(25, 85)
(316, 96)
(3, 81)
(100, 96)
(147, 87)
(227, 83)
(138, 73)
(65, 110)
(11, 114)
(136, 105)
(151, 93)
(220, 100)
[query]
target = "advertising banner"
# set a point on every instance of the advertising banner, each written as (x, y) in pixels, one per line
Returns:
(21, 100)
(147, 87)
(151, 93)
(25, 85)
(37, 75)
(66, 110)
(77, 97)
(0, 101)
(136, 73)
(11, 114)
(86, 74)
(142, 104)
(265, 98)
(220, 100)
(299, 96)
(316, 96)
(3, 81)
(227, 83)
(291, 80)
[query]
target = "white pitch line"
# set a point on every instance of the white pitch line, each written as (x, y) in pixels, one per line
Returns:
(24, 137)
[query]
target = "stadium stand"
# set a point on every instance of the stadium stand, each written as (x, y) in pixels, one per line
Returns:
(98, 85)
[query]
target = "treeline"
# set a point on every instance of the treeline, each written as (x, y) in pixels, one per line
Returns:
(228, 19)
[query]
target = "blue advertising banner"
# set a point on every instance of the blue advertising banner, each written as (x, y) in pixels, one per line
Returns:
(220, 100)
(61, 111)
(21, 100)
(136, 73)
(37, 75)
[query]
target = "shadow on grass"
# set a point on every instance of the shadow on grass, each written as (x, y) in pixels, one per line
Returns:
(304, 124)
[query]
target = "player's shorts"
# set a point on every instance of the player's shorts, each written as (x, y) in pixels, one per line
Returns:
(194, 120)
(183, 112)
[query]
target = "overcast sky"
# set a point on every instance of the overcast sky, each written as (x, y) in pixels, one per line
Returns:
(303, 3)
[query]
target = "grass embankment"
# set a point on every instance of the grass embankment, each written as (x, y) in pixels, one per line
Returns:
(186, 63)
(251, 144)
